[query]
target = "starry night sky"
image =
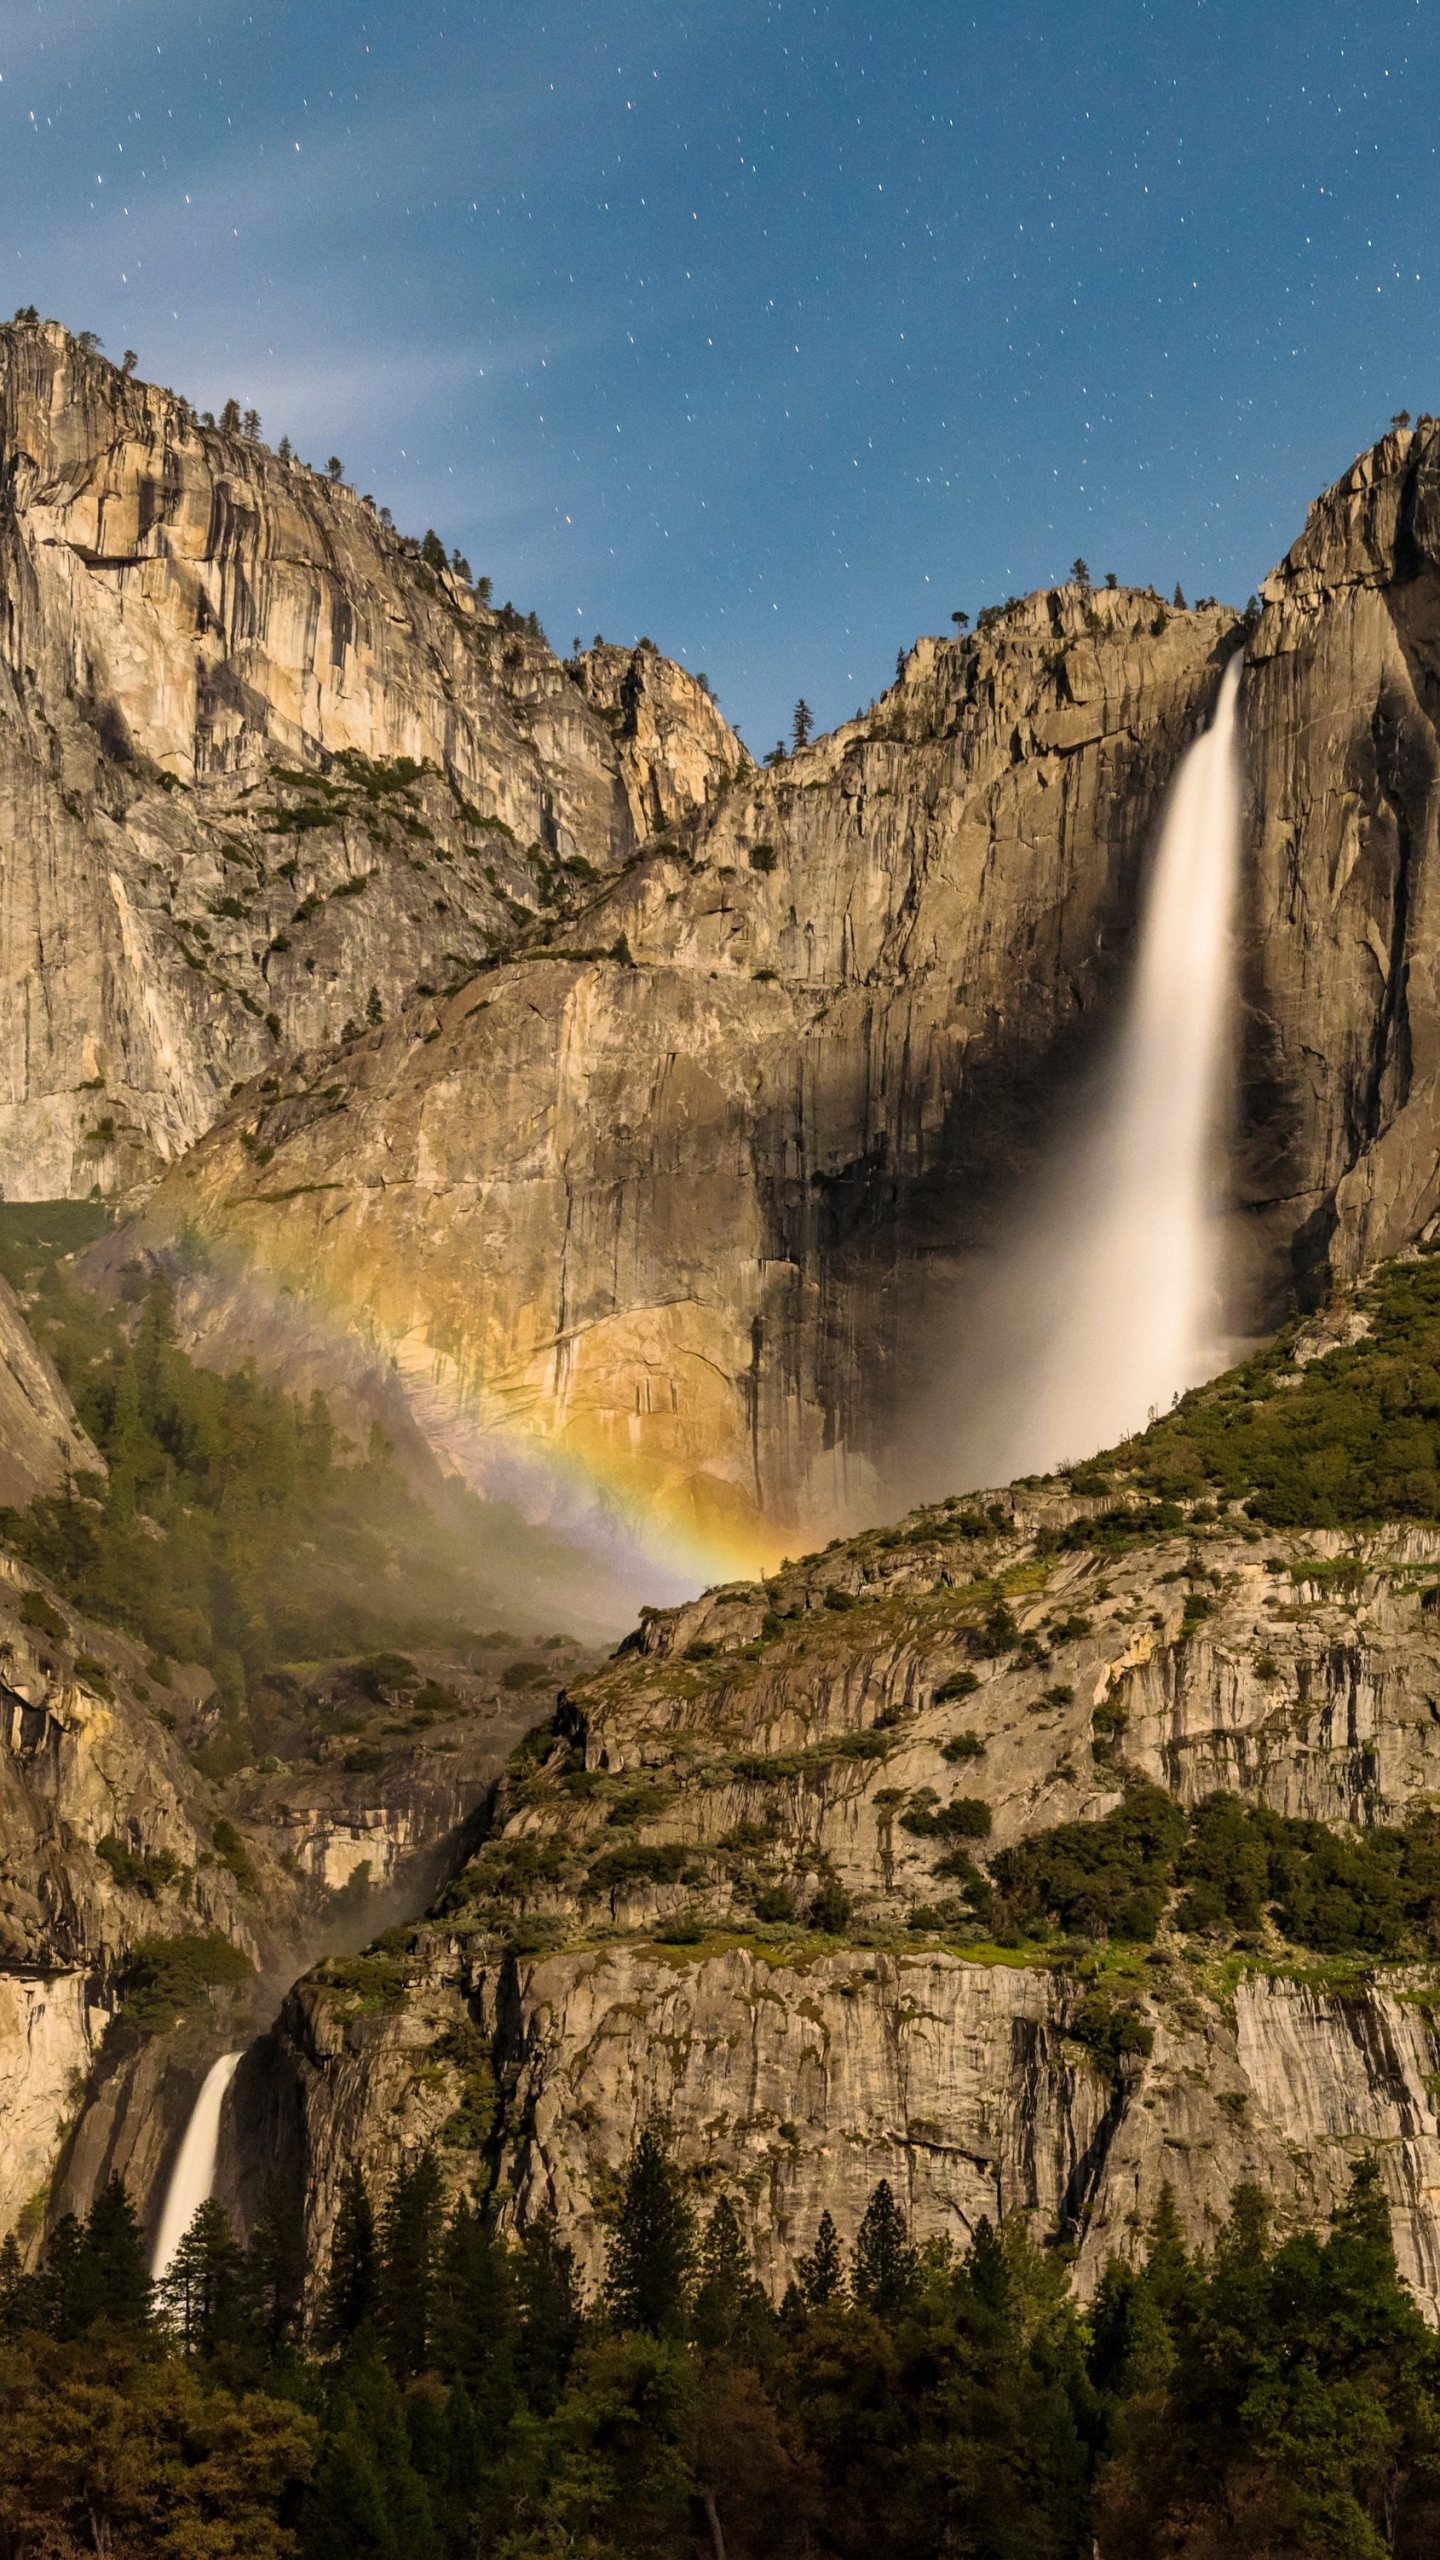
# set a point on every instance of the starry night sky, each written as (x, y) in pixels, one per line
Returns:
(776, 329)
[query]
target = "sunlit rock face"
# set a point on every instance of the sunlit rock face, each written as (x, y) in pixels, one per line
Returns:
(184, 620)
(1339, 709)
(658, 1200)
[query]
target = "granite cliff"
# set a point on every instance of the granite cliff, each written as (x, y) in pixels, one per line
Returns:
(263, 768)
(736, 1886)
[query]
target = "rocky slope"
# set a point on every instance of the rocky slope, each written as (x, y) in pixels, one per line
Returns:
(262, 769)
(727, 1895)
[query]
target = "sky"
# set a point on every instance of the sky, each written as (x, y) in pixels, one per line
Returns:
(777, 330)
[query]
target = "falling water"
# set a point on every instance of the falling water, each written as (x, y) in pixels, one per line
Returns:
(1105, 1301)
(193, 2175)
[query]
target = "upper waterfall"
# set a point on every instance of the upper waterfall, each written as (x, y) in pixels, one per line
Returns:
(1106, 1298)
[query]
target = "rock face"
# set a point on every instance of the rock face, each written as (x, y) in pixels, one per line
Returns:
(659, 1196)
(40, 1439)
(262, 769)
(1340, 705)
(759, 1742)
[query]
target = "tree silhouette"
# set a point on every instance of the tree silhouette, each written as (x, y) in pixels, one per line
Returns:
(882, 2262)
(334, 467)
(821, 2276)
(230, 418)
(409, 2250)
(1080, 571)
(652, 2247)
(802, 722)
(352, 2292)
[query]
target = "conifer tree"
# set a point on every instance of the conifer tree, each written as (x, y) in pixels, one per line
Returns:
(352, 2291)
(432, 551)
(277, 2265)
(822, 2275)
(207, 2294)
(802, 722)
(112, 2279)
(882, 2262)
(473, 2323)
(230, 418)
(1178, 598)
(550, 2312)
(729, 2304)
(410, 2234)
(652, 2247)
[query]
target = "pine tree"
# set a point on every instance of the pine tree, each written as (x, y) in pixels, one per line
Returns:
(64, 2252)
(277, 2265)
(1178, 599)
(802, 722)
(112, 2277)
(250, 425)
(352, 2291)
(730, 2306)
(230, 418)
(822, 2275)
(410, 2234)
(286, 449)
(882, 2262)
(432, 551)
(550, 2312)
(652, 2247)
(1080, 571)
(334, 468)
(207, 2294)
(129, 361)
(473, 2321)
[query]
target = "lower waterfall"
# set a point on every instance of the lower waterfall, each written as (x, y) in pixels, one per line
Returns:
(193, 2175)
(1103, 1301)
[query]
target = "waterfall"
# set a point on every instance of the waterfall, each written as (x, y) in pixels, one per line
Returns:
(193, 2175)
(1105, 1298)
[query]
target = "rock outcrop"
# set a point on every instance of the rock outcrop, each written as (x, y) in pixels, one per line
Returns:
(263, 769)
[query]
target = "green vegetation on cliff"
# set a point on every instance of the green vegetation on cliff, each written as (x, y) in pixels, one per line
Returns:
(237, 1528)
(1352, 1436)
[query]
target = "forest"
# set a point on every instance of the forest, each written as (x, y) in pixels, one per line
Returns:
(453, 2394)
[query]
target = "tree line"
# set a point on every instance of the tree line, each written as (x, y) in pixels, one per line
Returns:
(459, 2397)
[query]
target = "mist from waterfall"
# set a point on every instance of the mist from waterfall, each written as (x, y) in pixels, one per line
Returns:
(193, 2175)
(1104, 1299)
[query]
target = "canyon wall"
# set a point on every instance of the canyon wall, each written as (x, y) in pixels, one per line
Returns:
(630, 1942)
